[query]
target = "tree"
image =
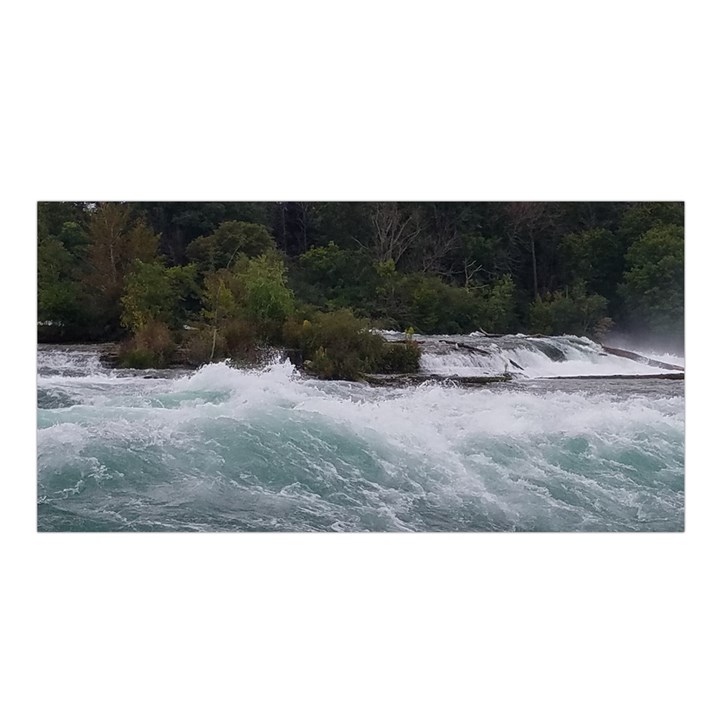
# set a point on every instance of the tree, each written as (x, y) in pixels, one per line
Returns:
(255, 290)
(53, 215)
(497, 309)
(74, 238)
(396, 228)
(155, 292)
(219, 302)
(594, 257)
(115, 243)
(292, 224)
(432, 306)
(653, 287)
(266, 300)
(526, 222)
(481, 258)
(640, 217)
(58, 293)
(179, 223)
(348, 224)
(574, 312)
(230, 241)
(333, 277)
(441, 236)
(443, 267)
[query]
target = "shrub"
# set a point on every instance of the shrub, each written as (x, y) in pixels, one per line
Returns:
(339, 346)
(399, 357)
(240, 340)
(198, 347)
(151, 346)
(335, 345)
(235, 340)
(138, 358)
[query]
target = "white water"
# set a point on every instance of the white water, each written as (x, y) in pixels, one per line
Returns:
(523, 356)
(227, 449)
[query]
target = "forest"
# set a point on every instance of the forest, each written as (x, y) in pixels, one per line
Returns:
(202, 281)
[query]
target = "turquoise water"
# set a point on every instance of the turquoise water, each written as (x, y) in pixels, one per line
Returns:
(223, 449)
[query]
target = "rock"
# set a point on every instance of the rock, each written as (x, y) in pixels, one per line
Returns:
(463, 346)
(402, 380)
(550, 351)
(659, 376)
(641, 358)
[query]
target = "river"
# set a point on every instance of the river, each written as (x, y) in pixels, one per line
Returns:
(227, 449)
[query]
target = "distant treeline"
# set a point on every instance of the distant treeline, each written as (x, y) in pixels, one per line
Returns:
(243, 274)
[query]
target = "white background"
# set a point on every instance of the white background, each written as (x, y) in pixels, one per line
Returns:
(378, 100)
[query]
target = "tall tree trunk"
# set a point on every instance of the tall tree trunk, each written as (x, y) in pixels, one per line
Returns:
(534, 265)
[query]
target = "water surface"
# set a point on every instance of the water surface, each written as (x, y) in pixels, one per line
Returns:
(225, 449)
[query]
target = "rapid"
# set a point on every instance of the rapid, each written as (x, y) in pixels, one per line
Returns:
(229, 449)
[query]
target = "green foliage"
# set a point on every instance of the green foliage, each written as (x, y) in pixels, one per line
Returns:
(481, 257)
(541, 318)
(65, 308)
(336, 345)
(496, 312)
(440, 267)
(593, 257)
(386, 269)
(570, 313)
(654, 281)
(219, 301)
(399, 357)
(74, 238)
(52, 216)
(332, 277)
(229, 242)
(58, 299)
(155, 292)
(638, 218)
(265, 299)
(116, 242)
(254, 291)
(349, 225)
(339, 346)
(327, 265)
(432, 306)
(138, 359)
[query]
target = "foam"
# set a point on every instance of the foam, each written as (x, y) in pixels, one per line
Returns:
(226, 448)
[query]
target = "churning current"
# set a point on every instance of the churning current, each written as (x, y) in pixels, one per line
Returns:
(226, 449)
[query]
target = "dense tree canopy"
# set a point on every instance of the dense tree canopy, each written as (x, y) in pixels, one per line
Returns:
(235, 272)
